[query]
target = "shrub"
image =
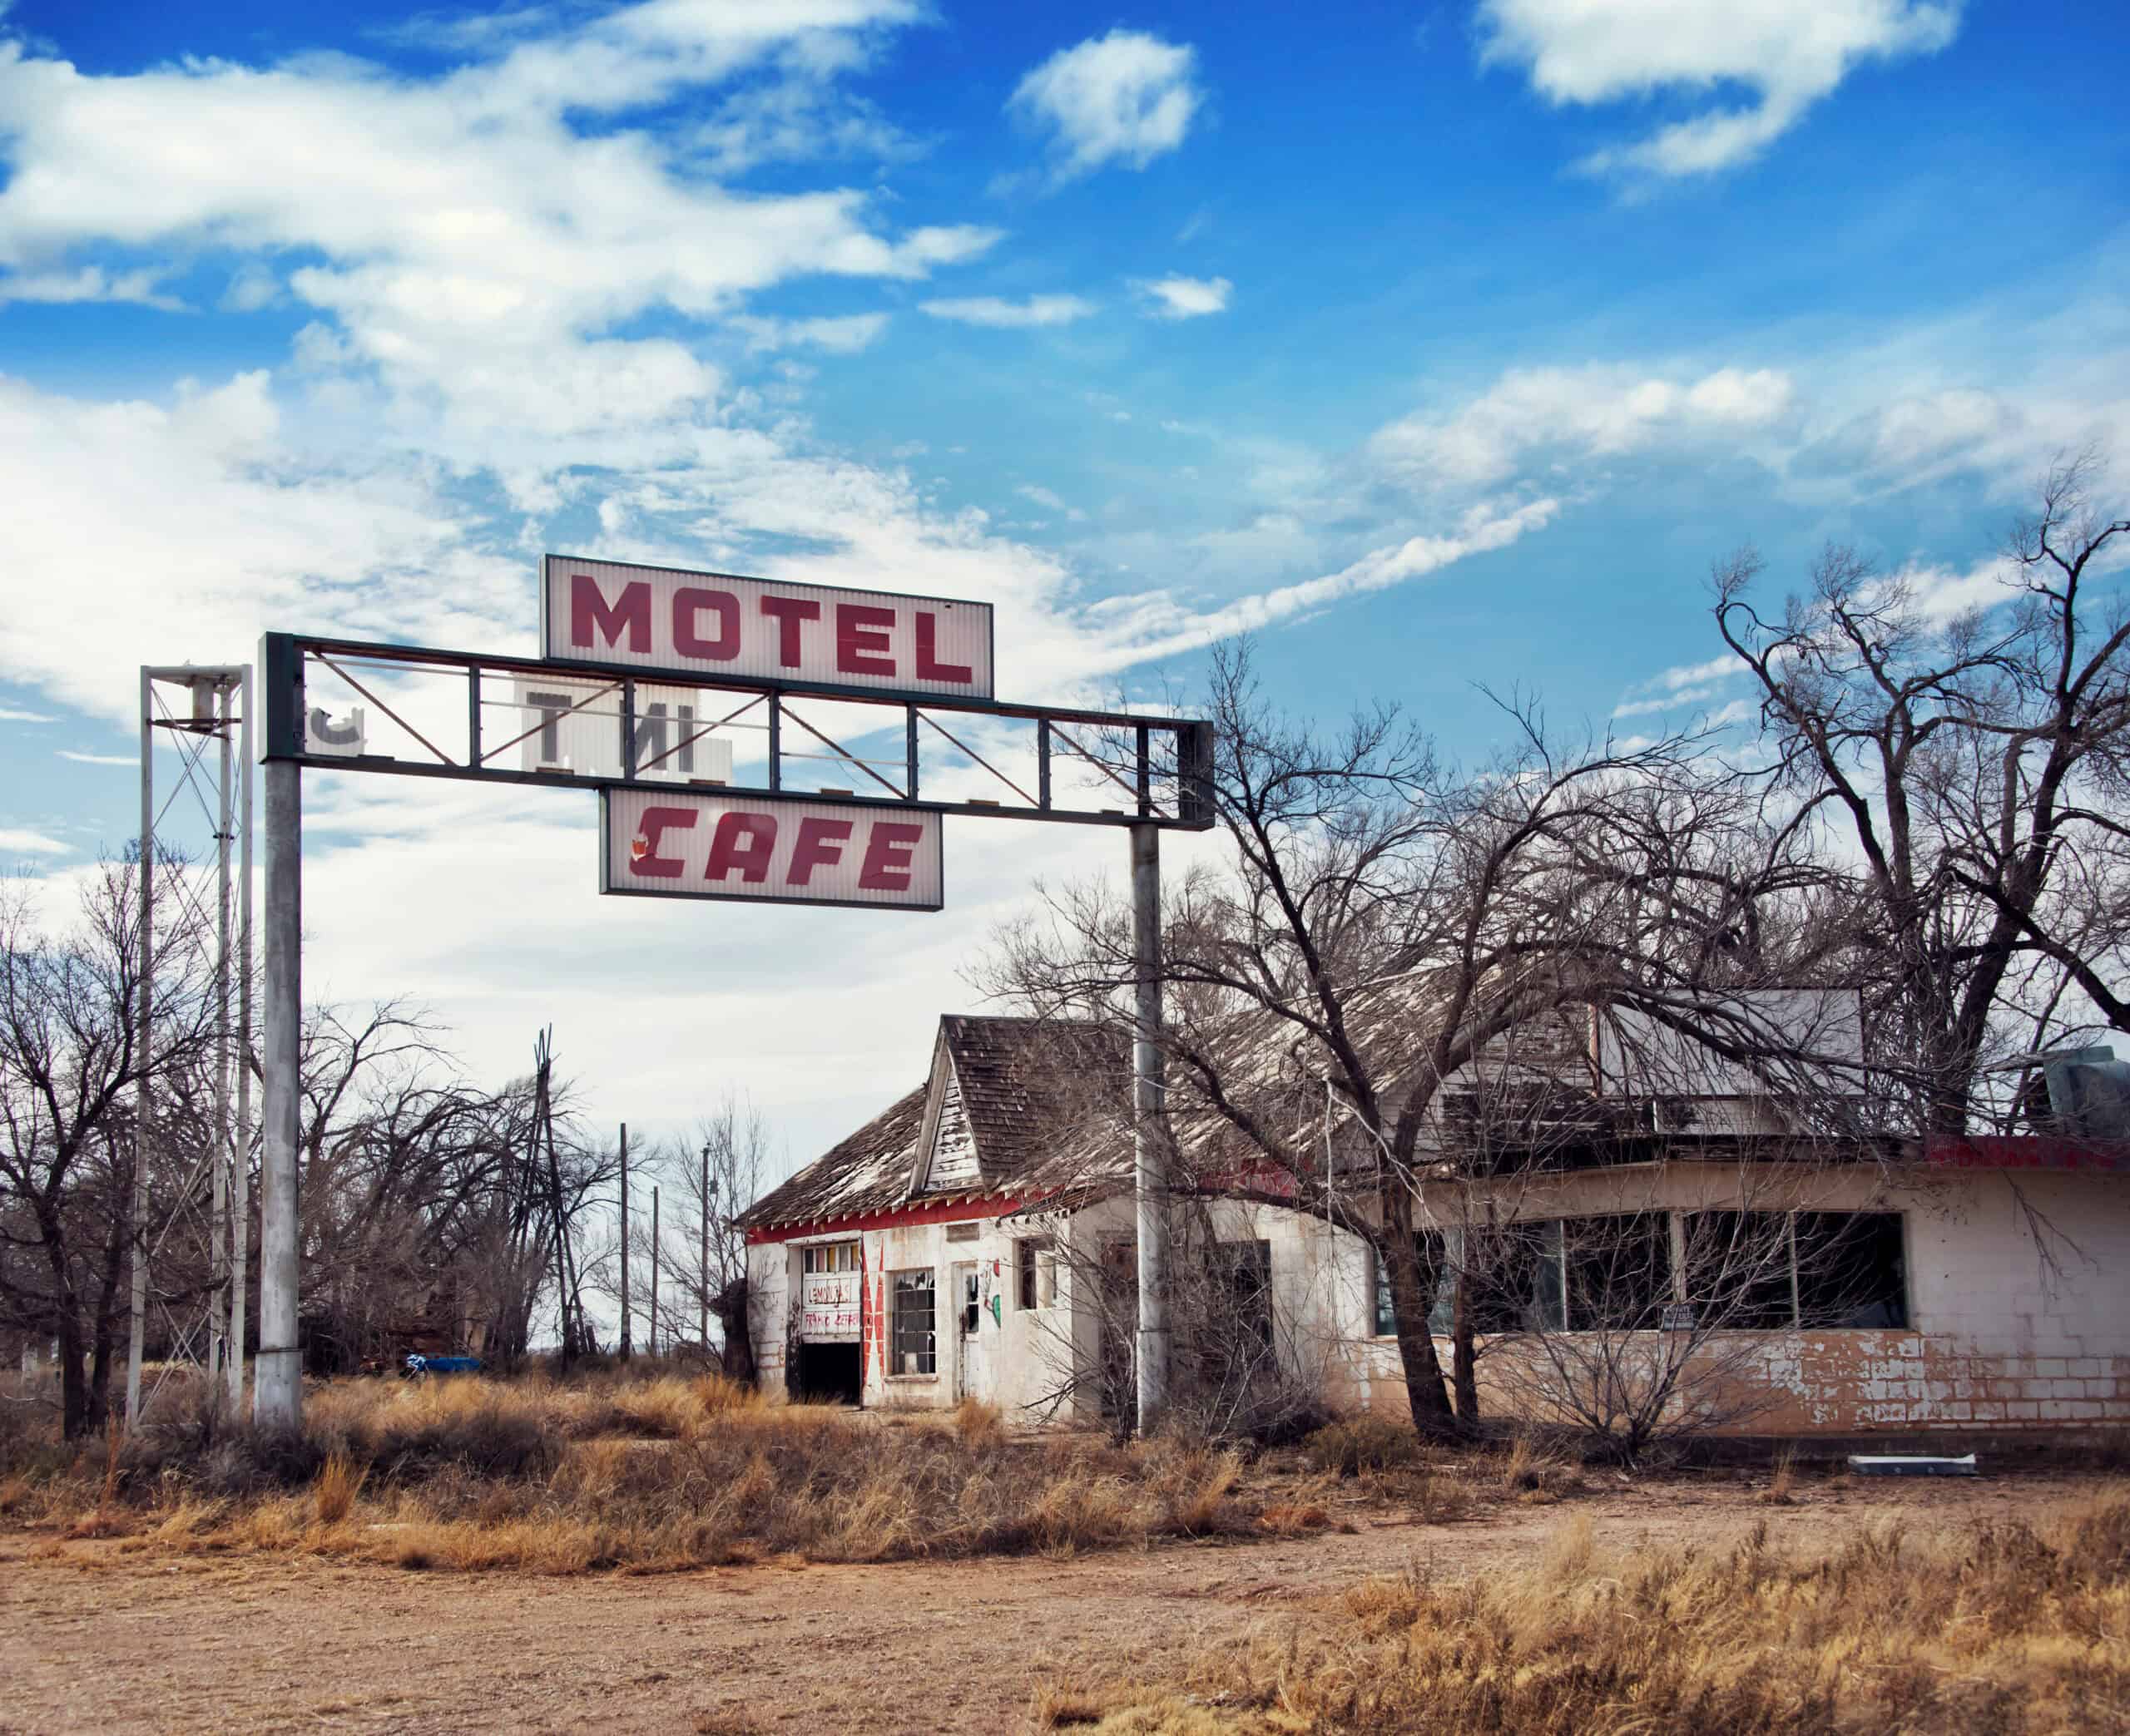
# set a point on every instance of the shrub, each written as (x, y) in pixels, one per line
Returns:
(1365, 1444)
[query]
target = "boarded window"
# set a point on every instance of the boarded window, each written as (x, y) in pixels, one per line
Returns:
(1036, 1272)
(963, 1232)
(916, 1346)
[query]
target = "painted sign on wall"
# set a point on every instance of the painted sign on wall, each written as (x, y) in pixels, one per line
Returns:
(692, 845)
(828, 1307)
(711, 624)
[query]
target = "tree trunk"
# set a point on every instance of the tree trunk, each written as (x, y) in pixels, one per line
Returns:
(1464, 1357)
(75, 1420)
(1412, 1300)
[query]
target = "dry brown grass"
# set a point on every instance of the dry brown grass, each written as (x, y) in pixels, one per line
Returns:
(648, 1474)
(1999, 1629)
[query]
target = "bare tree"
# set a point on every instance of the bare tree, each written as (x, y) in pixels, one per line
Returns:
(1388, 922)
(709, 1178)
(72, 1073)
(1974, 764)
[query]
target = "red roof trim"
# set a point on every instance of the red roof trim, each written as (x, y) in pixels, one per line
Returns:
(938, 1211)
(2030, 1152)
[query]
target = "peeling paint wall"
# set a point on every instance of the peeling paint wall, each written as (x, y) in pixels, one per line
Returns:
(2018, 1302)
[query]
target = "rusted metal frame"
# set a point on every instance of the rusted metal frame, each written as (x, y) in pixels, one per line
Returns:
(474, 715)
(628, 730)
(1147, 804)
(386, 709)
(844, 752)
(1043, 763)
(775, 741)
(524, 734)
(982, 762)
(1145, 774)
(689, 741)
(909, 748)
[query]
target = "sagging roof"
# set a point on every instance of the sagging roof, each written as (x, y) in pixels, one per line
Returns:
(1036, 1101)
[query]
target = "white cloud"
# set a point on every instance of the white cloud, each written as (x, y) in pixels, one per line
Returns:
(10, 714)
(81, 758)
(1602, 410)
(995, 311)
(473, 243)
(1788, 53)
(1050, 501)
(842, 335)
(15, 841)
(1187, 297)
(1126, 97)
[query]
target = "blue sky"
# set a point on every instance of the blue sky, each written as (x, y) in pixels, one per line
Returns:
(1445, 344)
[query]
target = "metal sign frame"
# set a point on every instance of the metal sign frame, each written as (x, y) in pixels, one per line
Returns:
(284, 658)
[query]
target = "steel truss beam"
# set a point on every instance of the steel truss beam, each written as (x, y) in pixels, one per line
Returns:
(1140, 754)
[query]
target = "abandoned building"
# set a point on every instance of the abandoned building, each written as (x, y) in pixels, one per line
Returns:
(974, 1240)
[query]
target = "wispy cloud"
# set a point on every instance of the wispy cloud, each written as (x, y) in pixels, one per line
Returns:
(1185, 298)
(9, 715)
(995, 311)
(16, 841)
(81, 758)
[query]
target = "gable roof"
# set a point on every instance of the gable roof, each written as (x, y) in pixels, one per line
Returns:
(1044, 1101)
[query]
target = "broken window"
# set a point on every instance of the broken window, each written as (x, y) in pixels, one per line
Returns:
(1036, 1272)
(1616, 1271)
(1770, 1271)
(916, 1347)
(1244, 1271)
(972, 1301)
(1738, 1271)
(1438, 1252)
(1512, 1275)
(1850, 1270)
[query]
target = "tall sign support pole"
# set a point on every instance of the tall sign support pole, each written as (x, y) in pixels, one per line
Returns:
(627, 1349)
(702, 1299)
(654, 1271)
(240, 1142)
(1150, 1181)
(277, 1390)
(143, 1096)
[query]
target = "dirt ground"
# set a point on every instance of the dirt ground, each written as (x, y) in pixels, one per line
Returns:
(97, 1638)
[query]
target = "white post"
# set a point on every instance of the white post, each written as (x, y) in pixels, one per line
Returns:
(144, 1094)
(241, 1144)
(702, 1326)
(277, 1393)
(654, 1271)
(1149, 1178)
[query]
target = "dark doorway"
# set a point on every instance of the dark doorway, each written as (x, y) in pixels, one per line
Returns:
(827, 1373)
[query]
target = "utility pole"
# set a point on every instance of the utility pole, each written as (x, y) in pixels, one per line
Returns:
(709, 1206)
(1150, 1181)
(654, 1270)
(211, 707)
(276, 1390)
(627, 1348)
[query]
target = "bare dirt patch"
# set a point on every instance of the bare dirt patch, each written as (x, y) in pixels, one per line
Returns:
(93, 1636)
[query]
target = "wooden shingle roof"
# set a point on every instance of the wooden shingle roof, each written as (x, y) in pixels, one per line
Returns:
(1046, 1104)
